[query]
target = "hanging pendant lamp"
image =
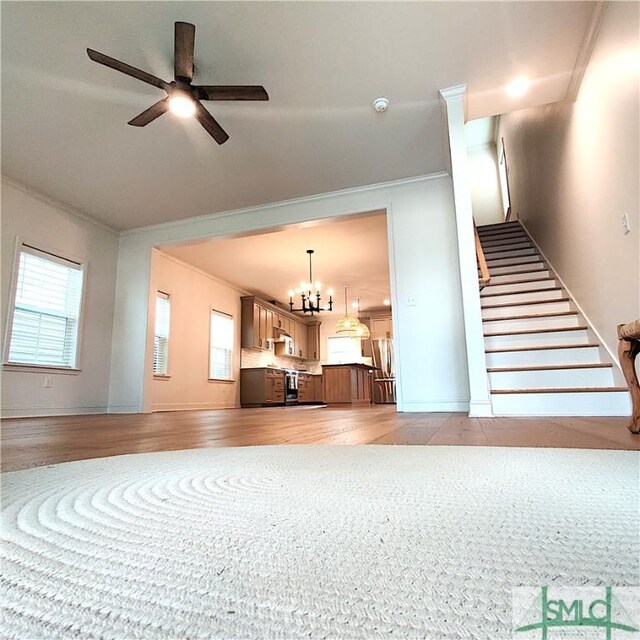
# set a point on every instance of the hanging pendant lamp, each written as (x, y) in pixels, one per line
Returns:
(363, 330)
(347, 326)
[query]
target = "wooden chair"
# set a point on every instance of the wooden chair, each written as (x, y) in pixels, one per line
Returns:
(628, 349)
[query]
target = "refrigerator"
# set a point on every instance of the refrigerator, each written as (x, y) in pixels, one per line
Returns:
(384, 376)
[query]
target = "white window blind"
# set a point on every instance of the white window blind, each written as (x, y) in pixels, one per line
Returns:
(161, 334)
(343, 350)
(46, 311)
(221, 346)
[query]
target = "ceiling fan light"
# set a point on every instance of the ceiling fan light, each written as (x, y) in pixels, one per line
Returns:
(182, 106)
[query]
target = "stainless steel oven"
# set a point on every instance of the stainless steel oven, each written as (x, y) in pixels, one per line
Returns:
(290, 386)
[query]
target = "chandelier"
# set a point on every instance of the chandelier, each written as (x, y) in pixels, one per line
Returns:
(350, 327)
(308, 291)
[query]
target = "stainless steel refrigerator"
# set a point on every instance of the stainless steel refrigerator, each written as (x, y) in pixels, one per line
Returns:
(384, 376)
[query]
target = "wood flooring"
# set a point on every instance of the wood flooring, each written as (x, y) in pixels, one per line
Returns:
(32, 442)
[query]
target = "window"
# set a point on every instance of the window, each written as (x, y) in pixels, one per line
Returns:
(161, 335)
(221, 346)
(342, 350)
(46, 310)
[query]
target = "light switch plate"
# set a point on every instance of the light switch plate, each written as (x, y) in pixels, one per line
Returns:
(411, 301)
(625, 223)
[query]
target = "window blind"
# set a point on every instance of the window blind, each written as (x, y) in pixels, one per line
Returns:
(46, 312)
(221, 346)
(161, 334)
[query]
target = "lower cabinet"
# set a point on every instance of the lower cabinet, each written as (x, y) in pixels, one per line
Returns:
(261, 387)
(310, 388)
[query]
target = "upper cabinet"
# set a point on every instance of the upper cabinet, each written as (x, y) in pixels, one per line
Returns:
(381, 327)
(261, 322)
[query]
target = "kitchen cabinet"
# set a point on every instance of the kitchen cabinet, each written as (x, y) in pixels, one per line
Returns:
(309, 388)
(256, 324)
(347, 384)
(261, 387)
(313, 341)
(300, 340)
(381, 327)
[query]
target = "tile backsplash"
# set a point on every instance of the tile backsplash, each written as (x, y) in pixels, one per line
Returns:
(257, 358)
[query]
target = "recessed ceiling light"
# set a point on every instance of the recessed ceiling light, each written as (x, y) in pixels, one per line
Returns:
(386, 302)
(380, 104)
(182, 106)
(518, 87)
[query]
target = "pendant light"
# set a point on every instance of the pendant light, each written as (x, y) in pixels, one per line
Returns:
(347, 325)
(363, 330)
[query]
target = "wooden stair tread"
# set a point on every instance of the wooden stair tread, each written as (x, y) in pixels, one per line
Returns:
(552, 367)
(506, 284)
(497, 235)
(527, 303)
(500, 225)
(560, 390)
(523, 291)
(545, 347)
(532, 316)
(523, 332)
(514, 264)
(504, 248)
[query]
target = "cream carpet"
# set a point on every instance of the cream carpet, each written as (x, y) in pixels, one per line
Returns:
(310, 541)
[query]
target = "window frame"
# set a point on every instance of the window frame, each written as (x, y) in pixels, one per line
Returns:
(231, 378)
(61, 257)
(167, 296)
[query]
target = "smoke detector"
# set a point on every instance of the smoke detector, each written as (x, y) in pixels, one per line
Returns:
(380, 104)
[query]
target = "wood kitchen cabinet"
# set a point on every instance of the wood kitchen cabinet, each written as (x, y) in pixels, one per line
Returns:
(309, 388)
(313, 341)
(261, 387)
(256, 324)
(347, 384)
(381, 327)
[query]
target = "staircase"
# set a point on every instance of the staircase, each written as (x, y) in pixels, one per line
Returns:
(542, 357)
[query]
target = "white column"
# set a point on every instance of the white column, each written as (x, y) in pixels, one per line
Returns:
(480, 400)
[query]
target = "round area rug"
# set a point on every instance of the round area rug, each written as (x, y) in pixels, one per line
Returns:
(310, 541)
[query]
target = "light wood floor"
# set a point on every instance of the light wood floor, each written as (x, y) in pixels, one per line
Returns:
(31, 442)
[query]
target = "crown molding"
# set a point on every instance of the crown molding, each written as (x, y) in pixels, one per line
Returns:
(586, 49)
(57, 204)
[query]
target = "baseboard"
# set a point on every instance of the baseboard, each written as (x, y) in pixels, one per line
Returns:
(482, 409)
(45, 412)
(193, 406)
(603, 344)
(433, 407)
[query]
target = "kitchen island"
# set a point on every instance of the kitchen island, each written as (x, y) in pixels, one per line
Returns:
(347, 383)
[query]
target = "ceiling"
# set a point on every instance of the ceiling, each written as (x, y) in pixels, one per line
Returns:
(350, 252)
(64, 130)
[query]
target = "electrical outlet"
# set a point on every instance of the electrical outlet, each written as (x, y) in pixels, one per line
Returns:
(47, 382)
(626, 227)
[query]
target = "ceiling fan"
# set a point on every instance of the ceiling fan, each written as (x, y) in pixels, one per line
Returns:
(183, 98)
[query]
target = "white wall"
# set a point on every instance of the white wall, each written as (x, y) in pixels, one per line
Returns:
(485, 184)
(429, 332)
(573, 170)
(193, 294)
(48, 226)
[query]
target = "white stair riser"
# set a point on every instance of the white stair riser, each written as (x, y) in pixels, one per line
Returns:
(586, 355)
(551, 379)
(511, 253)
(527, 309)
(506, 261)
(614, 403)
(532, 323)
(509, 287)
(579, 336)
(538, 267)
(523, 297)
(506, 278)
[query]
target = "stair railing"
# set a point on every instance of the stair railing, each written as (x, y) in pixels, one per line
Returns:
(485, 277)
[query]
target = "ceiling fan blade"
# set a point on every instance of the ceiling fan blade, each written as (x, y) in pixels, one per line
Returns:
(149, 115)
(184, 43)
(210, 124)
(232, 92)
(127, 69)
